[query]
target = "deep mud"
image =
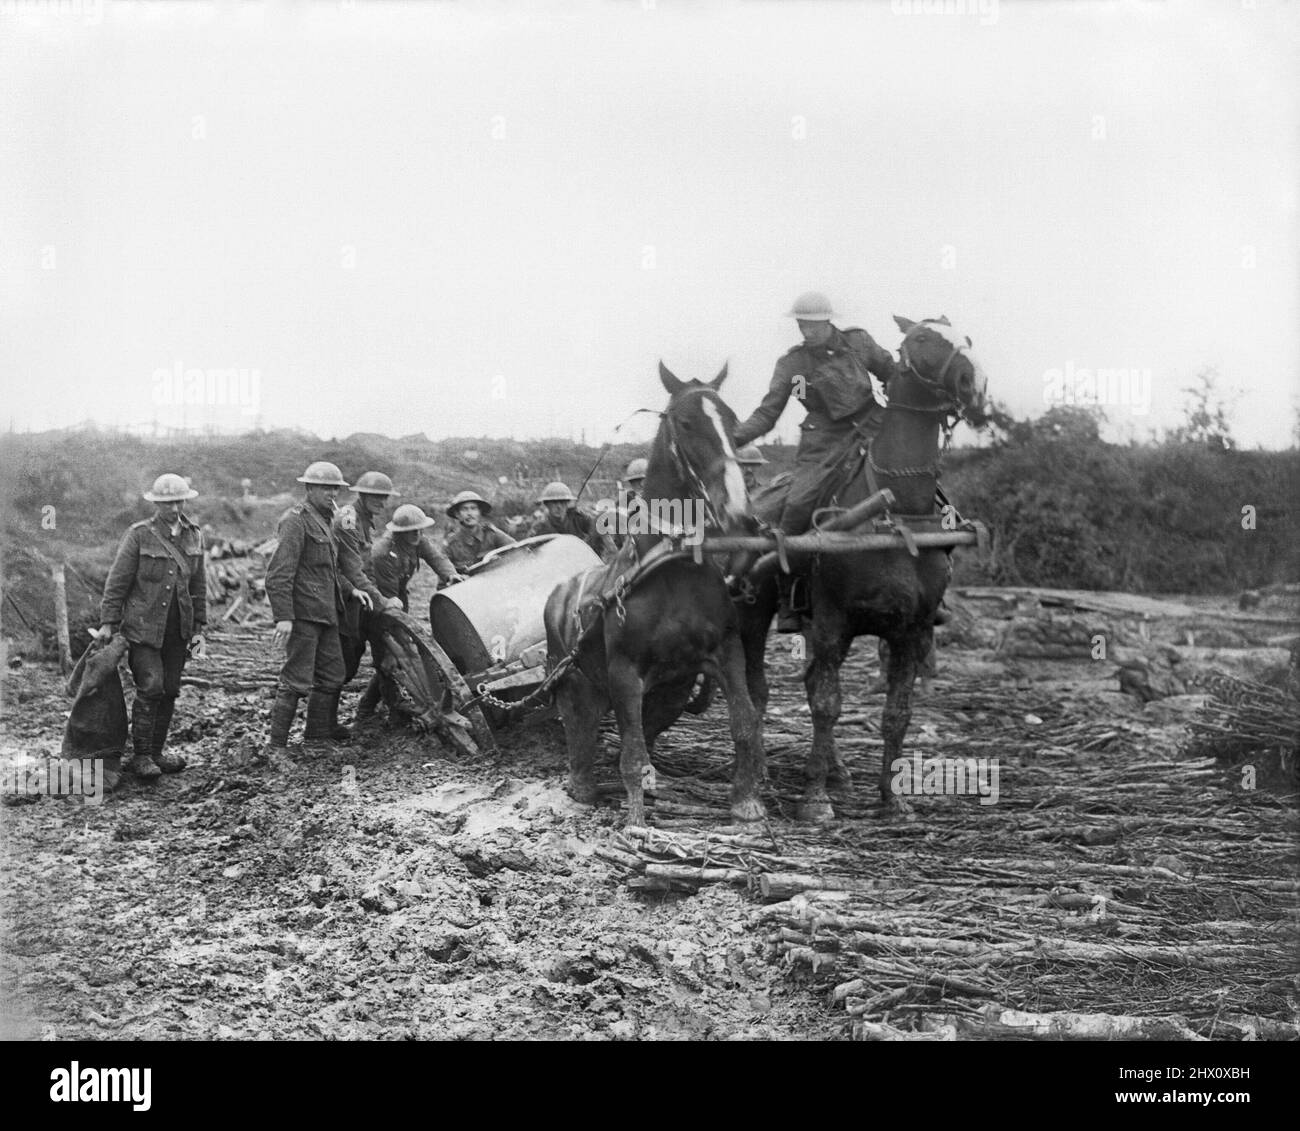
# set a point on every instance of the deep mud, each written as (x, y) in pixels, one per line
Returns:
(393, 891)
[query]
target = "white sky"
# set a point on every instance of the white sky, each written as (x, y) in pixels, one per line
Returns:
(489, 218)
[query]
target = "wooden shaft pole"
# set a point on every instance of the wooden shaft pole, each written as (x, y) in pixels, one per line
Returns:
(61, 617)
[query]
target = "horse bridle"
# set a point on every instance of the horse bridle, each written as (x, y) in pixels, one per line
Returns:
(685, 466)
(951, 406)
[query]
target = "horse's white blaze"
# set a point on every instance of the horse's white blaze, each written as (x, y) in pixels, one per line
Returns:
(958, 340)
(949, 334)
(732, 477)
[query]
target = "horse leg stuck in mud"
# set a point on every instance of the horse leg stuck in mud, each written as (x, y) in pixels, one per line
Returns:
(893, 594)
(635, 634)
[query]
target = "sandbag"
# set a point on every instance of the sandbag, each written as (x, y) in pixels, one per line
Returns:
(97, 726)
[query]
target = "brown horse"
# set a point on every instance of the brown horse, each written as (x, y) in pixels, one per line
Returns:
(889, 593)
(637, 632)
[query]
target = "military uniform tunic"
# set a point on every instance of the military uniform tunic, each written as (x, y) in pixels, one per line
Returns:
(158, 602)
(306, 586)
(466, 545)
(831, 380)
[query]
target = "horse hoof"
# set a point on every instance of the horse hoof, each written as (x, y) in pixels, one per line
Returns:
(748, 810)
(818, 812)
(635, 818)
(896, 808)
(584, 793)
(841, 781)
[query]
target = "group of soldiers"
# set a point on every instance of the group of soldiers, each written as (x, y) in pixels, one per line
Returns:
(335, 568)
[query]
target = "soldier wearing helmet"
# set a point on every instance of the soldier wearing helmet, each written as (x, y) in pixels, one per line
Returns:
(473, 537)
(395, 558)
(634, 477)
(827, 372)
(156, 595)
(309, 591)
(354, 531)
(563, 517)
(749, 457)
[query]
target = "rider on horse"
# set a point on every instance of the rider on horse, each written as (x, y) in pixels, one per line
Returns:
(828, 371)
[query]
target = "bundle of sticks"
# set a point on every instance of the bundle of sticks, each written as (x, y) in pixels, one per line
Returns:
(1244, 721)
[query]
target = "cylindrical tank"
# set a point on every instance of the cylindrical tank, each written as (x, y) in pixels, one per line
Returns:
(493, 617)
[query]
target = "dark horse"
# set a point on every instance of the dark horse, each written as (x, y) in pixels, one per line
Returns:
(637, 632)
(885, 593)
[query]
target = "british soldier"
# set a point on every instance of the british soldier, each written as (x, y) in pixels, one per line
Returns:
(156, 596)
(827, 371)
(473, 536)
(309, 595)
(395, 558)
(354, 529)
(563, 517)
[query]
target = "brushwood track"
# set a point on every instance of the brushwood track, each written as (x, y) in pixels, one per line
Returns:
(393, 890)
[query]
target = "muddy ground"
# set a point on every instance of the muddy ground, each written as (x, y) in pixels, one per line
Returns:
(392, 891)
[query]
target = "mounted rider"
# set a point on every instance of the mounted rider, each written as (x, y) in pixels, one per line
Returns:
(829, 372)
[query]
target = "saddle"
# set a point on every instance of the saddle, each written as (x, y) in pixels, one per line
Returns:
(847, 464)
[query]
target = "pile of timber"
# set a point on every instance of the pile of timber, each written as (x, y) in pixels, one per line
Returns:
(1243, 721)
(1113, 892)
(236, 578)
(240, 658)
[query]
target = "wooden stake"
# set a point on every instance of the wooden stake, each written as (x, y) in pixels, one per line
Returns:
(61, 617)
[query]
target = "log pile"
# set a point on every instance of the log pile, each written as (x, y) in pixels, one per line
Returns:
(1244, 722)
(236, 578)
(1112, 893)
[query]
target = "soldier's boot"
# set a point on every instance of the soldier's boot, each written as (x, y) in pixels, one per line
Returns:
(144, 714)
(282, 712)
(337, 730)
(369, 700)
(787, 620)
(169, 763)
(323, 727)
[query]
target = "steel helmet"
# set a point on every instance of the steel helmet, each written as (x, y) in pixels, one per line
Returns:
(169, 488)
(469, 497)
(635, 470)
(750, 454)
(812, 306)
(556, 492)
(374, 483)
(409, 517)
(323, 474)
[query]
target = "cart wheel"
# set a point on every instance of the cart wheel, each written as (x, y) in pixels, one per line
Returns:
(460, 694)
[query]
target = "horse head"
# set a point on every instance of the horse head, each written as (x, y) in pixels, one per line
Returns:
(939, 373)
(693, 457)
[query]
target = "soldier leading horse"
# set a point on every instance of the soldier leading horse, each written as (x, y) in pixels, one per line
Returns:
(889, 593)
(637, 632)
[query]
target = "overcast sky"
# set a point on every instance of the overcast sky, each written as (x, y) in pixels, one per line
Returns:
(488, 218)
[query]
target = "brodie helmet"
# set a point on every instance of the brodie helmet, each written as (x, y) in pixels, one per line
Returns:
(169, 488)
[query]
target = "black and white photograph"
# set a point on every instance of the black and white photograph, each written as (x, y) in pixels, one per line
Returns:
(647, 521)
